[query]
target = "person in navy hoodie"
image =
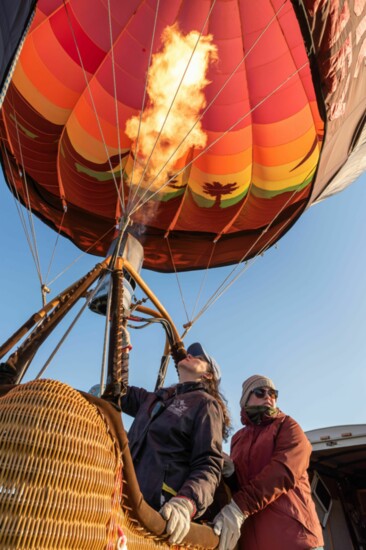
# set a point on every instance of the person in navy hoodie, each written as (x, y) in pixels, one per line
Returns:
(176, 441)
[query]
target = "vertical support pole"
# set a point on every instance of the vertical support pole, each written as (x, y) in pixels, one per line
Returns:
(119, 343)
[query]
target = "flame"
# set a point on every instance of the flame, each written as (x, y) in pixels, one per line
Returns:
(176, 80)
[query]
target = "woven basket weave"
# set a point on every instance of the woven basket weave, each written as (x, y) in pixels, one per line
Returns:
(60, 471)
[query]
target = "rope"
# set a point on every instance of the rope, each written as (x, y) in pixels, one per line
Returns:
(204, 280)
(206, 110)
(106, 338)
(94, 107)
(172, 103)
(30, 234)
(222, 289)
(202, 285)
(240, 119)
(130, 201)
(177, 278)
(68, 330)
(78, 258)
(55, 247)
(116, 103)
(31, 237)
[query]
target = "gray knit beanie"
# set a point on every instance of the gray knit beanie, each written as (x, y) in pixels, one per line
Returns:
(255, 381)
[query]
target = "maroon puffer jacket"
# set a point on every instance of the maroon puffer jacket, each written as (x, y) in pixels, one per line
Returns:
(271, 461)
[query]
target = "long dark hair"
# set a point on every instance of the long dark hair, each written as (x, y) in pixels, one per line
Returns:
(212, 387)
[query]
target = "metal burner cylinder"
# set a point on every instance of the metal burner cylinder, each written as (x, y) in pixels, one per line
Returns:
(131, 250)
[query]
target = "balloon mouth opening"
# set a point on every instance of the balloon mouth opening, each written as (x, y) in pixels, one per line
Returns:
(131, 250)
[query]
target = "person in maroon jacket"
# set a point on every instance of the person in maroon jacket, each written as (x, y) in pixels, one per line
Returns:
(271, 506)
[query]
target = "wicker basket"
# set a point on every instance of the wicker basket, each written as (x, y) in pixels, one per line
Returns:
(61, 476)
(60, 471)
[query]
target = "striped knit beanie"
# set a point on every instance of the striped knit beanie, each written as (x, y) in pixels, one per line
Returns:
(255, 381)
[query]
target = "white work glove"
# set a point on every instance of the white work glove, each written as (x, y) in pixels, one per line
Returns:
(126, 343)
(228, 468)
(227, 525)
(178, 512)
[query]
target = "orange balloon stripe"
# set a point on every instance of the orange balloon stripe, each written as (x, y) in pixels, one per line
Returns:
(85, 134)
(285, 131)
(217, 166)
(221, 165)
(231, 143)
(266, 135)
(35, 97)
(35, 74)
(293, 151)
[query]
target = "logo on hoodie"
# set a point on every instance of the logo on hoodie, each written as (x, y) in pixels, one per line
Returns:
(178, 407)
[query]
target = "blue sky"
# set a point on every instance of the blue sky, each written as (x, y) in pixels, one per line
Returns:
(297, 315)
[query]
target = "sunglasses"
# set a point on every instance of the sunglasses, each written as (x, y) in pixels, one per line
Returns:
(262, 392)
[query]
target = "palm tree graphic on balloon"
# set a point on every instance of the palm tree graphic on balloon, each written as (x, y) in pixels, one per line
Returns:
(218, 190)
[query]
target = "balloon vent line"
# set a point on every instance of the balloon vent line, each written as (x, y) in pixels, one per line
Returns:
(93, 104)
(29, 233)
(215, 141)
(184, 58)
(206, 109)
(122, 199)
(222, 288)
(130, 200)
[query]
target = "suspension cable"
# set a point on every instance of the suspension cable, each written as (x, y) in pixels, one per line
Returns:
(231, 127)
(33, 237)
(177, 279)
(55, 247)
(204, 280)
(222, 288)
(84, 253)
(93, 106)
(116, 106)
(89, 297)
(130, 201)
(106, 338)
(141, 202)
(172, 102)
(30, 235)
(234, 71)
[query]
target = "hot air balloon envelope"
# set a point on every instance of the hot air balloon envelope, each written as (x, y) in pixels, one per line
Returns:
(231, 165)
